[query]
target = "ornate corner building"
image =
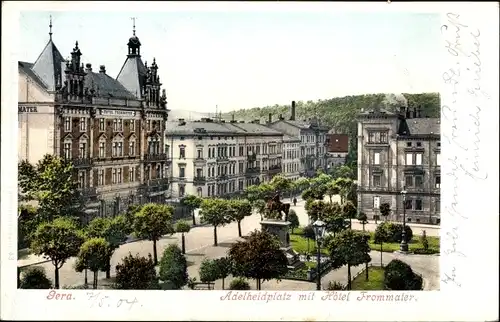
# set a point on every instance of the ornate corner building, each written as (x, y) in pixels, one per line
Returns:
(111, 129)
(399, 151)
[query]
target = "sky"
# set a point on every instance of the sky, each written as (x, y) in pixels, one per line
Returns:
(246, 59)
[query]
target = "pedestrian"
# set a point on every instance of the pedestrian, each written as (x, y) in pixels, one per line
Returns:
(294, 201)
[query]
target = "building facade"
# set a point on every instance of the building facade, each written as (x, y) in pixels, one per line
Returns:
(291, 157)
(399, 151)
(111, 129)
(218, 158)
(312, 149)
(337, 146)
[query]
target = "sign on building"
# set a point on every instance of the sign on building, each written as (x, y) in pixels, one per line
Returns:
(27, 109)
(376, 202)
(117, 113)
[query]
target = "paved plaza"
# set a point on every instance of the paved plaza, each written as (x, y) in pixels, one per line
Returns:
(199, 243)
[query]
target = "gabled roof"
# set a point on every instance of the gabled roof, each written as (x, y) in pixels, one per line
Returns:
(106, 86)
(48, 66)
(132, 75)
(26, 69)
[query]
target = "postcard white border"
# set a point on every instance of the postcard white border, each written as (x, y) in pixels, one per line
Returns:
(476, 299)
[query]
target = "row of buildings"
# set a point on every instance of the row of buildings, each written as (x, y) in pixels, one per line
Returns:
(124, 147)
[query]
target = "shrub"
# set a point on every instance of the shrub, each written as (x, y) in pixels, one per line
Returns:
(335, 286)
(35, 278)
(393, 231)
(239, 283)
(136, 273)
(424, 241)
(399, 276)
(308, 232)
(173, 267)
(293, 219)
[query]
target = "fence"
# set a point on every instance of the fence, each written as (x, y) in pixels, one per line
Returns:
(363, 270)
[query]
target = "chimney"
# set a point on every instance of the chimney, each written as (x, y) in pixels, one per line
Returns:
(292, 116)
(232, 118)
(88, 67)
(270, 119)
(102, 69)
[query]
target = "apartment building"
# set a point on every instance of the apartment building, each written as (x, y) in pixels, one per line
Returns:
(312, 141)
(218, 158)
(291, 157)
(399, 151)
(111, 129)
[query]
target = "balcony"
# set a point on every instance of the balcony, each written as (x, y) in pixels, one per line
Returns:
(199, 181)
(155, 157)
(252, 171)
(200, 160)
(81, 162)
(222, 177)
(274, 169)
(222, 158)
(88, 192)
(251, 157)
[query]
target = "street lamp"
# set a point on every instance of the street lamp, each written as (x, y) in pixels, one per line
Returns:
(319, 231)
(404, 245)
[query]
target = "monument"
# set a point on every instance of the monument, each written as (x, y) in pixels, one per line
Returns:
(275, 224)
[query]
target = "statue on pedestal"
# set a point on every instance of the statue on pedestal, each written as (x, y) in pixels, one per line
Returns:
(275, 207)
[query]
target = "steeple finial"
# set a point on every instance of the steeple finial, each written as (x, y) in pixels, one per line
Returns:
(133, 27)
(50, 28)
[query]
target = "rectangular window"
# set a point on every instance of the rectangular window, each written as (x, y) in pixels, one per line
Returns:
(408, 181)
(409, 158)
(371, 137)
(376, 158)
(132, 125)
(83, 124)
(102, 149)
(82, 150)
(182, 152)
(131, 148)
(408, 204)
(419, 144)
(120, 149)
(438, 159)
(81, 179)
(437, 181)
(200, 154)
(418, 204)
(113, 176)
(100, 177)
(383, 137)
(119, 175)
(437, 205)
(115, 125)
(131, 174)
(102, 127)
(67, 124)
(181, 191)
(419, 181)
(199, 173)
(148, 125)
(120, 125)
(408, 144)
(418, 159)
(67, 150)
(241, 151)
(377, 180)
(182, 172)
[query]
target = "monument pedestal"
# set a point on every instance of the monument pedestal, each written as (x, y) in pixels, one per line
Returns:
(281, 229)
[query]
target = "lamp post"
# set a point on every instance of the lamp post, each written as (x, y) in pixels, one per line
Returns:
(319, 231)
(404, 245)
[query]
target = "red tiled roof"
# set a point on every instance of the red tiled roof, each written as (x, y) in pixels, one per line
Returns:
(338, 143)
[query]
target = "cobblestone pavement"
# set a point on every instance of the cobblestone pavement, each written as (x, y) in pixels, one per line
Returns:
(198, 246)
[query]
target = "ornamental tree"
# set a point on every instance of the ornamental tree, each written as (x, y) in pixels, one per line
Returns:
(192, 202)
(294, 219)
(334, 218)
(224, 266)
(152, 222)
(349, 248)
(332, 189)
(173, 267)
(94, 253)
(385, 210)
(239, 209)
(258, 257)
(208, 271)
(57, 241)
(113, 230)
(136, 273)
(349, 211)
(215, 212)
(182, 227)
(344, 185)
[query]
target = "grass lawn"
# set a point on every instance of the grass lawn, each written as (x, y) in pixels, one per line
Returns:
(375, 280)
(300, 243)
(413, 245)
(311, 265)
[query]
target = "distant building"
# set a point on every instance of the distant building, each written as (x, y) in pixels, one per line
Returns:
(312, 140)
(337, 148)
(111, 129)
(218, 158)
(399, 151)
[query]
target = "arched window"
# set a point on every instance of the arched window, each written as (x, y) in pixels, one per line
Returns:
(132, 145)
(200, 192)
(82, 146)
(102, 146)
(117, 150)
(67, 147)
